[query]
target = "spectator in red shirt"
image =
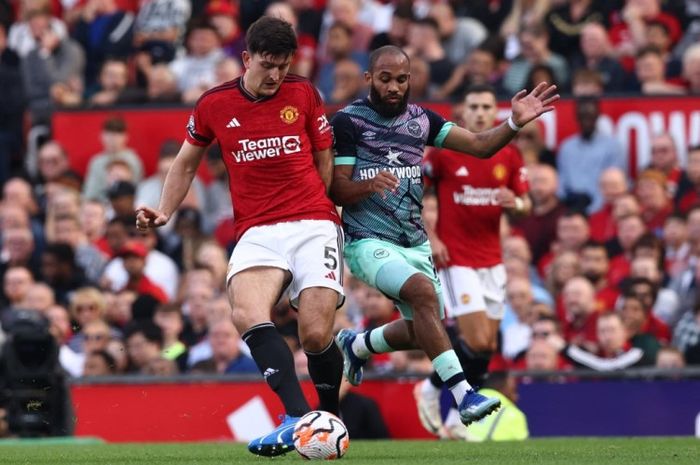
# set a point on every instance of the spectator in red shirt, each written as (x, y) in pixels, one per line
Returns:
(629, 229)
(595, 265)
(134, 255)
(580, 314)
(613, 184)
(645, 290)
(653, 198)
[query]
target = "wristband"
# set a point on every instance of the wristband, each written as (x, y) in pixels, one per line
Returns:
(519, 204)
(512, 124)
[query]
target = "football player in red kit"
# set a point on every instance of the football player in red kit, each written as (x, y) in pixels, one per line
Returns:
(466, 244)
(276, 143)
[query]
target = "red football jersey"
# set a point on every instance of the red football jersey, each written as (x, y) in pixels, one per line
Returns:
(267, 145)
(468, 216)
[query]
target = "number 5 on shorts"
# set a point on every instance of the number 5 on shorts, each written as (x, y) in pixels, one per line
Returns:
(331, 254)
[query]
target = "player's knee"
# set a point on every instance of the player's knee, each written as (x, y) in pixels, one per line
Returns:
(419, 293)
(314, 339)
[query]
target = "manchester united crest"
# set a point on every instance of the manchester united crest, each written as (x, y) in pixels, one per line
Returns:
(465, 298)
(499, 172)
(289, 114)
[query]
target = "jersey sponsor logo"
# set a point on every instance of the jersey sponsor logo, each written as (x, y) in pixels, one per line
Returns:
(381, 253)
(289, 114)
(268, 147)
(393, 157)
(500, 172)
(463, 171)
(476, 196)
(414, 128)
(323, 124)
(233, 123)
(402, 172)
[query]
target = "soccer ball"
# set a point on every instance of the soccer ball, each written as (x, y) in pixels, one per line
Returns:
(321, 435)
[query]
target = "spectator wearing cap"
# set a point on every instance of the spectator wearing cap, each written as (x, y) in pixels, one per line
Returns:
(104, 30)
(159, 268)
(148, 191)
(121, 196)
(583, 157)
(223, 15)
(134, 254)
(114, 138)
(195, 70)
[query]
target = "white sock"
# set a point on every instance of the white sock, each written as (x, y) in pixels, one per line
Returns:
(459, 391)
(359, 347)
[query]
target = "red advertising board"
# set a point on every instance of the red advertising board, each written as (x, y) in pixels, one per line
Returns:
(631, 120)
(215, 410)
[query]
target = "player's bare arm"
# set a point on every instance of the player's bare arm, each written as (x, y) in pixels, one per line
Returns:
(323, 159)
(525, 108)
(517, 205)
(345, 191)
(177, 184)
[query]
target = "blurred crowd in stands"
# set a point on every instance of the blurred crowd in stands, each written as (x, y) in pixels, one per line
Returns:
(604, 274)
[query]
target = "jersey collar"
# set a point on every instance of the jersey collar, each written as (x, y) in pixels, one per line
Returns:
(252, 97)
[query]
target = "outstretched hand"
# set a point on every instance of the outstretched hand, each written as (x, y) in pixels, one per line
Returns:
(147, 217)
(526, 107)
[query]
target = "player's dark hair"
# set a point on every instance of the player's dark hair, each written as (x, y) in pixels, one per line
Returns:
(271, 36)
(480, 89)
(385, 50)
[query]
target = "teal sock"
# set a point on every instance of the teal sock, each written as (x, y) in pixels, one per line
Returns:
(450, 371)
(371, 342)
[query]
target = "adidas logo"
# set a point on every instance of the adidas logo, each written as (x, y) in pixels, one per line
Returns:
(331, 275)
(269, 372)
(233, 123)
(463, 171)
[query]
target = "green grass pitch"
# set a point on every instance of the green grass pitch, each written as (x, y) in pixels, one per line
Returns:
(593, 451)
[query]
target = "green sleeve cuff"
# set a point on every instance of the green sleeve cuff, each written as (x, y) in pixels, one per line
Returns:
(344, 161)
(440, 138)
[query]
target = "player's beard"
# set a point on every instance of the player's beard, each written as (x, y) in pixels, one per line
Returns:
(388, 110)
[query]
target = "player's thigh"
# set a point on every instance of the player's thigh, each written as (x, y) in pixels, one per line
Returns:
(383, 266)
(253, 292)
(258, 274)
(314, 250)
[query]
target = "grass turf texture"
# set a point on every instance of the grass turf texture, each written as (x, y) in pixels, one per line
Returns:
(594, 451)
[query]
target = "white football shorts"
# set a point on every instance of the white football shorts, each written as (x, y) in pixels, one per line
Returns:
(311, 250)
(469, 290)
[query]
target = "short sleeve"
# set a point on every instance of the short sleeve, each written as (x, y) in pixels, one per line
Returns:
(344, 135)
(198, 132)
(431, 166)
(317, 126)
(439, 128)
(518, 181)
